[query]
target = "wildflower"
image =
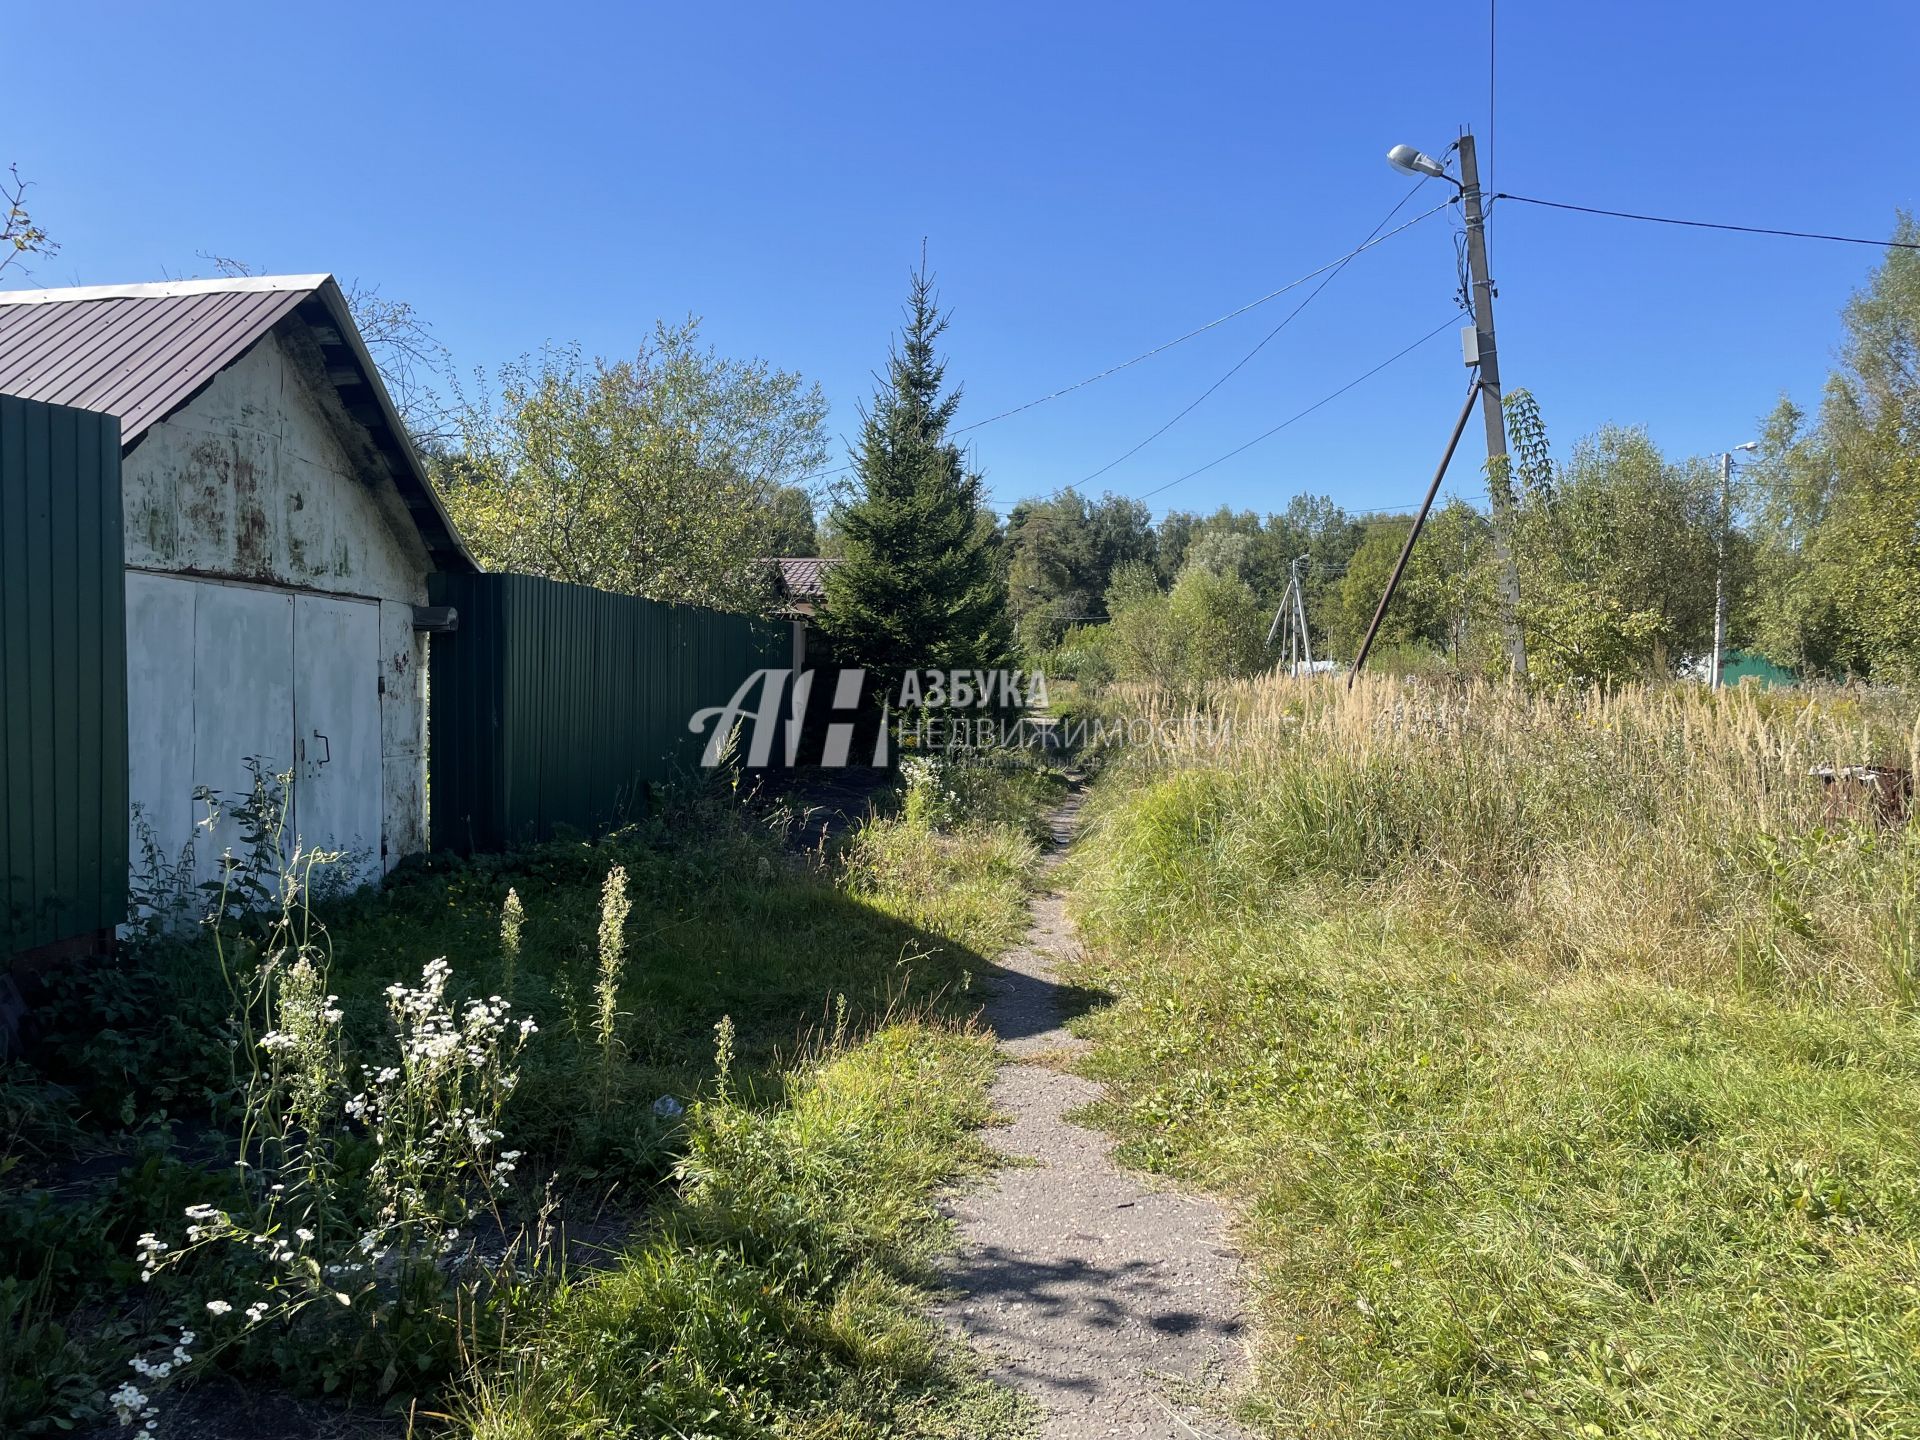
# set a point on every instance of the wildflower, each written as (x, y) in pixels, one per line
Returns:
(129, 1403)
(218, 1307)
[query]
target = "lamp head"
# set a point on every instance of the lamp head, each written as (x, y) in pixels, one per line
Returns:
(1750, 445)
(1409, 161)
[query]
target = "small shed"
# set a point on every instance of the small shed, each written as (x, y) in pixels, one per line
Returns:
(279, 531)
(800, 581)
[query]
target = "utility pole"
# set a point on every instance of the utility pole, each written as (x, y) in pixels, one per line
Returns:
(1284, 612)
(1298, 643)
(1419, 523)
(1499, 475)
(1300, 610)
(1716, 666)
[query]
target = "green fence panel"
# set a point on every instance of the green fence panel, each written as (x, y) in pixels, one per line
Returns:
(63, 676)
(555, 706)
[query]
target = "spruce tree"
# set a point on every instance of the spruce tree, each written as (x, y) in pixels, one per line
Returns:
(919, 585)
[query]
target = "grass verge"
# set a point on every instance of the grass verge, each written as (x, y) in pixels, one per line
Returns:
(1559, 1053)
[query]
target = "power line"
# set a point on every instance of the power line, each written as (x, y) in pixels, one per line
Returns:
(1376, 238)
(1493, 31)
(1446, 324)
(1373, 238)
(1713, 224)
(1411, 505)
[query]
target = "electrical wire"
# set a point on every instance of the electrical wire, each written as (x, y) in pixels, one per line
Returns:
(1332, 271)
(1446, 324)
(1376, 238)
(1712, 224)
(1493, 32)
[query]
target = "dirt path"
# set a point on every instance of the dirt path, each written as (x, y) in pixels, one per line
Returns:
(1117, 1306)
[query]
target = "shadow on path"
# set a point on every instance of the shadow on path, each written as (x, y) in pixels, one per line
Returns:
(1086, 1288)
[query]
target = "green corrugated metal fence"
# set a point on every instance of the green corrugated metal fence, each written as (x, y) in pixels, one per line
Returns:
(63, 676)
(555, 705)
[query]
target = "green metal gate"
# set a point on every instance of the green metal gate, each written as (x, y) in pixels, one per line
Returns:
(554, 706)
(63, 676)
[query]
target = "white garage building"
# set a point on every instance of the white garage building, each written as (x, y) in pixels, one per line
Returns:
(279, 531)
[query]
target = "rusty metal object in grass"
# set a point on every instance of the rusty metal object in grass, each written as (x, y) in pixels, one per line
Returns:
(1880, 793)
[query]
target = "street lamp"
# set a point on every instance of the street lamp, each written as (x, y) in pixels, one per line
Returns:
(1420, 165)
(1417, 163)
(1717, 665)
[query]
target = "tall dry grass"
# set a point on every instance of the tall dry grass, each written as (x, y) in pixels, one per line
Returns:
(1559, 1051)
(1663, 829)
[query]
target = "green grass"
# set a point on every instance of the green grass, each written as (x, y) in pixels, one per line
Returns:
(783, 1292)
(1556, 1097)
(871, 950)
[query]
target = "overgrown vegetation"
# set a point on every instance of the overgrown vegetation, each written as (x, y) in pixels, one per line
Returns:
(436, 1146)
(779, 1294)
(1560, 1051)
(667, 475)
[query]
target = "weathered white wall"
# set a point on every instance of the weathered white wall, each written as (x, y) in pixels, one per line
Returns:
(253, 480)
(262, 478)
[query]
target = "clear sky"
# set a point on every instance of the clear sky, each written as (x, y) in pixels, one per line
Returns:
(1090, 180)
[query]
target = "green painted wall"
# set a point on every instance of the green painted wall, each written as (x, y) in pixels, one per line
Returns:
(63, 676)
(554, 706)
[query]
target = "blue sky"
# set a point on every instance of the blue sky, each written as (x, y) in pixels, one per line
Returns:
(1090, 179)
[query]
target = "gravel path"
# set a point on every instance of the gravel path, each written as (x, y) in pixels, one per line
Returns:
(1116, 1305)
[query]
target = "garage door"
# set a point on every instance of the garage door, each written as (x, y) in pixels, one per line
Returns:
(218, 675)
(336, 728)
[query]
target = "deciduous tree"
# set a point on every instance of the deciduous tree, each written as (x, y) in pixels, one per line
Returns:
(662, 476)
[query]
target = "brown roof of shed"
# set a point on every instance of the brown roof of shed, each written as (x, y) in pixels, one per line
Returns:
(803, 577)
(142, 351)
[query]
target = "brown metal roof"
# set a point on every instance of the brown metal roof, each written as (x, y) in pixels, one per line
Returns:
(142, 351)
(803, 577)
(139, 356)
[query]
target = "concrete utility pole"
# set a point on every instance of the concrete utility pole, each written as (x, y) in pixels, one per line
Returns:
(1300, 610)
(1716, 666)
(1490, 410)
